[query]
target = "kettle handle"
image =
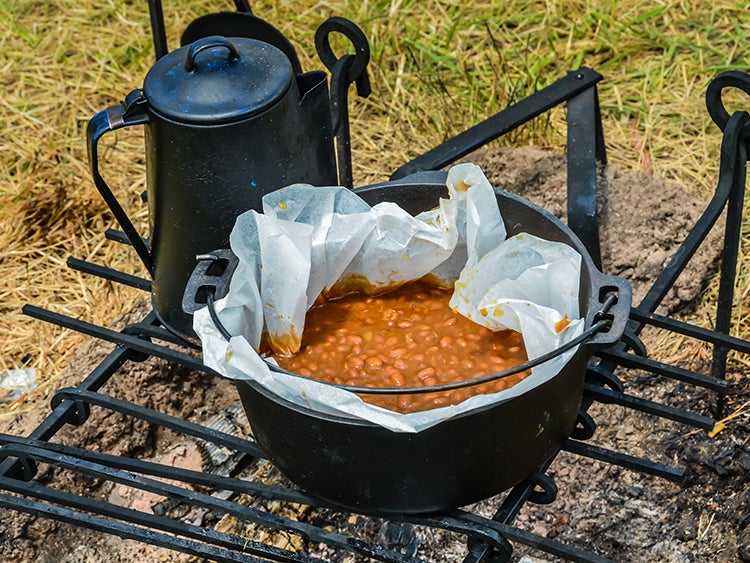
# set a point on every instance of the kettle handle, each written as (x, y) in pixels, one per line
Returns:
(114, 117)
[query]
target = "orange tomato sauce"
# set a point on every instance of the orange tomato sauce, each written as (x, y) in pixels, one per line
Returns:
(407, 337)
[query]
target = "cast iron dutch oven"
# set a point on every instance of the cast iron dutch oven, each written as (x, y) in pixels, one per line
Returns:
(365, 467)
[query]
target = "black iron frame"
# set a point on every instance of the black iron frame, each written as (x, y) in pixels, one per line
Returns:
(488, 539)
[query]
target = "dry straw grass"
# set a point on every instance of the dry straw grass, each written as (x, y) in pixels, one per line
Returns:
(438, 67)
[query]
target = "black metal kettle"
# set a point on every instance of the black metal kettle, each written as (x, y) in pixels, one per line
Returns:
(227, 119)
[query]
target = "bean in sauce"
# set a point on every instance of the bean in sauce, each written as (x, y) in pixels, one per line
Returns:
(404, 338)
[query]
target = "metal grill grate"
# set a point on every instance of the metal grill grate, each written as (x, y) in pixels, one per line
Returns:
(486, 538)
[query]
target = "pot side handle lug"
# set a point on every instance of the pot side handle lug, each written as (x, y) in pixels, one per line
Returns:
(210, 277)
(618, 315)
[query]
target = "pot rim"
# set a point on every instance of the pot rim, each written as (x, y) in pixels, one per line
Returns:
(590, 273)
(328, 417)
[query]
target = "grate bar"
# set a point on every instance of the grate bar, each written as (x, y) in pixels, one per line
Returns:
(659, 368)
(135, 519)
(151, 331)
(119, 338)
(585, 147)
(108, 274)
(623, 460)
(506, 120)
(609, 396)
(218, 482)
(692, 331)
(158, 418)
(65, 412)
(124, 531)
(195, 498)
(510, 507)
(569, 553)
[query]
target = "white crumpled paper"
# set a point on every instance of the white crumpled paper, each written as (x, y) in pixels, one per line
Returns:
(16, 383)
(309, 238)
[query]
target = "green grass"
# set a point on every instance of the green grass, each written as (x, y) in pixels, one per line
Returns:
(437, 68)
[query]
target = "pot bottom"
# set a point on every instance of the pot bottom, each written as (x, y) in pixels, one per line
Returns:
(367, 468)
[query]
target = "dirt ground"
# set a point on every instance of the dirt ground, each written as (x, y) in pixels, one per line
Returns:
(613, 512)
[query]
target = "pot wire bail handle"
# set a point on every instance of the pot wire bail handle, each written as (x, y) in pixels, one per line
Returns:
(602, 323)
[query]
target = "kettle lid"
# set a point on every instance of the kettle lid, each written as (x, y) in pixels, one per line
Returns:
(218, 80)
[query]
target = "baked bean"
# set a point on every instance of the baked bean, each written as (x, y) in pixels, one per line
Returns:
(353, 339)
(424, 337)
(398, 379)
(397, 352)
(405, 338)
(400, 364)
(404, 402)
(373, 362)
(355, 361)
(426, 372)
(436, 306)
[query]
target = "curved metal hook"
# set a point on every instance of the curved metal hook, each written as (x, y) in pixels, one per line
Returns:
(545, 489)
(357, 72)
(714, 104)
(345, 70)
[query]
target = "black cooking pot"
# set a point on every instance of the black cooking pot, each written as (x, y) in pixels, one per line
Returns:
(473, 456)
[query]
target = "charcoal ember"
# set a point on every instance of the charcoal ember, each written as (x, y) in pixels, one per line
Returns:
(219, 459)
(400, 537)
